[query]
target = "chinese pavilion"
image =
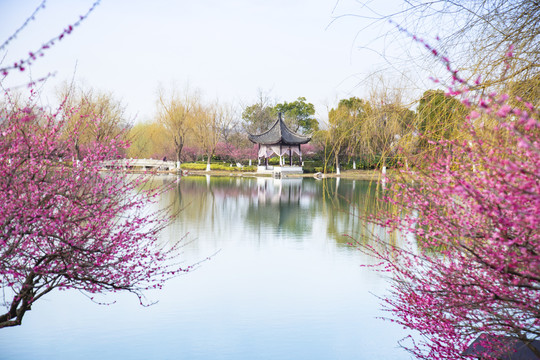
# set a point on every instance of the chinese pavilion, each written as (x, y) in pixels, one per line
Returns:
(279, 140)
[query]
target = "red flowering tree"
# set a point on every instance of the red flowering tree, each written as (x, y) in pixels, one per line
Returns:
(468, 261)
(67, 225)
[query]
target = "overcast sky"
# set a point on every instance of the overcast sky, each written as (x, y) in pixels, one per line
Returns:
(228, 49)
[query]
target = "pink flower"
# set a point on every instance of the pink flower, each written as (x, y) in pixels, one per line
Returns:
(474, 115)
(523, 144)
(504, 111)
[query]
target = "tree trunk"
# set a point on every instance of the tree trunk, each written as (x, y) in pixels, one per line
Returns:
(77, 150)
(24, 298)
(178, 154)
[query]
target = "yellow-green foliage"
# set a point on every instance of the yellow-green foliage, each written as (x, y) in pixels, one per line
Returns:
(360, 128)
(439, 117)
(147, 140)
(99, 116)
(528, 90)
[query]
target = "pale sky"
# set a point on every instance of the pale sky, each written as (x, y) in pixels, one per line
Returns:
(228, 49)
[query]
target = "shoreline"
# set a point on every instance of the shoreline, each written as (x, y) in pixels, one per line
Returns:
(371, 175)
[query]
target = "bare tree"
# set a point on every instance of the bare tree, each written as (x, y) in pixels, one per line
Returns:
(259, 116)
(497, 39)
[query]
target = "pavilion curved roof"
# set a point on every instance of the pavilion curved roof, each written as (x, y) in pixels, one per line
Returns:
(279, 133)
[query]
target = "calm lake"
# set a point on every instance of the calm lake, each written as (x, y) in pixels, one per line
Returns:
(284, 284)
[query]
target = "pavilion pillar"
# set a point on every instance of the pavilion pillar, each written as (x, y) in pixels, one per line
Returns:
(290, 156)
(266, 161)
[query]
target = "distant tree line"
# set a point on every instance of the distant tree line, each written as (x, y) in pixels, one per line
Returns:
(382, 130)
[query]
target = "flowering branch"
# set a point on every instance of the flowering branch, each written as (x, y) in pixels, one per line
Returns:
(22, 64)
(468, 262)
(64, 224)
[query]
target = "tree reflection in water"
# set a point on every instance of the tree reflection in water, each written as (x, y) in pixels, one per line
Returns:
(212, 206)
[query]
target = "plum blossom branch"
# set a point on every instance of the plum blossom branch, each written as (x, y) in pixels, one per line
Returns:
(32, 56)
(30, 18)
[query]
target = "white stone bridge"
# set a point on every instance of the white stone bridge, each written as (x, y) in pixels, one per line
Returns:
(140, 164)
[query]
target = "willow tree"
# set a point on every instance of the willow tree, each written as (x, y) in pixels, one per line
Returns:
(345, 124)
(149, 140)
(99, 117)
(386, 125)
(476, 34)
(210, 123)
(528, 91)
(371, 129)
(177, 114)
(439, 117)
(494, 28)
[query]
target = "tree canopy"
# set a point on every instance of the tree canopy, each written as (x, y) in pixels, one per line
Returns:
(439, 116)
(299, 115)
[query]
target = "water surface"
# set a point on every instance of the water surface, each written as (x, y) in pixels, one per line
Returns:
(284, 285)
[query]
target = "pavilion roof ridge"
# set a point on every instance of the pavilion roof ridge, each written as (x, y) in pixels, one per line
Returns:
(281, 134)
(269, 129)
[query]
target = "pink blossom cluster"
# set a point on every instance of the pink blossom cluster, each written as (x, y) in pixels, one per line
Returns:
(229, 152)
(467, 265)
(471, 261)
(64, 224)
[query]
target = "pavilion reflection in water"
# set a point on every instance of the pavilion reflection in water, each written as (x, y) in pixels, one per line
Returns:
(276, 191)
